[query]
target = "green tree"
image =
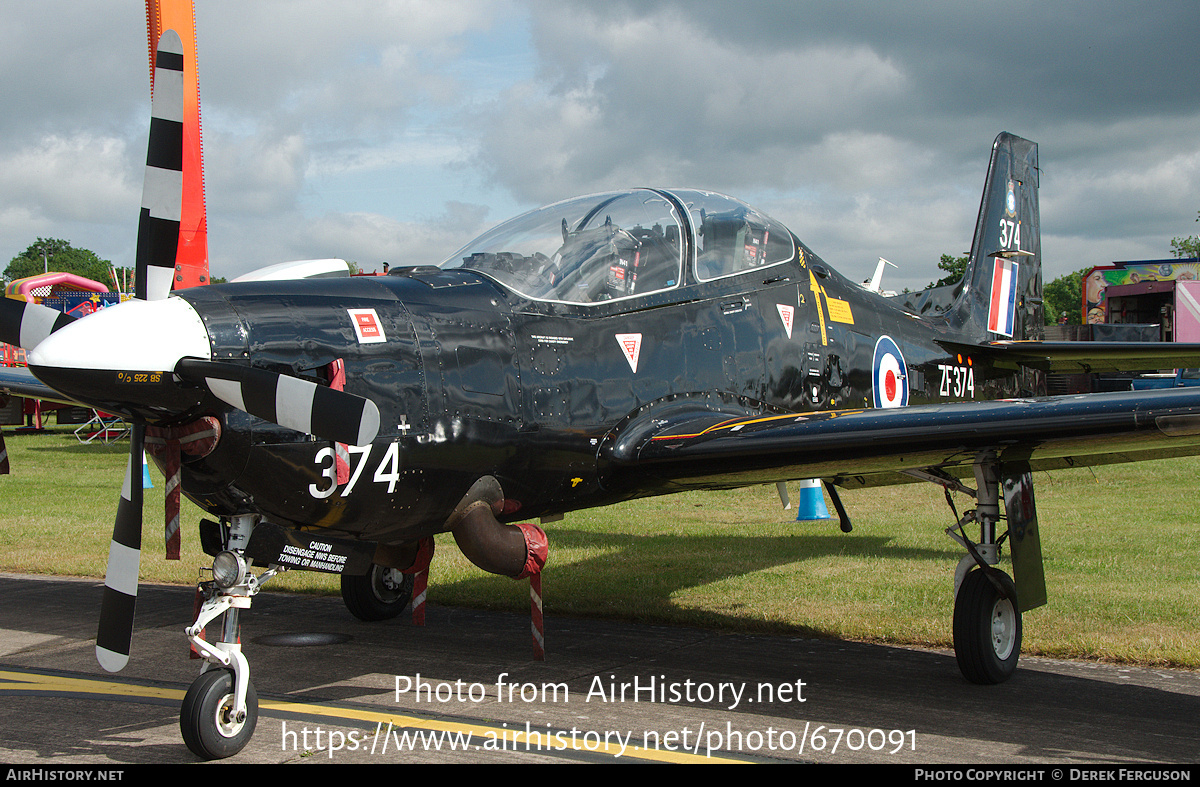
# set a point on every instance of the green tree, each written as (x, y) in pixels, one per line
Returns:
(53, 254)
(1186, 246)
(1064, 294)
(955, 267)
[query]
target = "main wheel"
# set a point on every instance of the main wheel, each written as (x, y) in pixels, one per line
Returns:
(206, 719)
(380, 594)
(987, 628)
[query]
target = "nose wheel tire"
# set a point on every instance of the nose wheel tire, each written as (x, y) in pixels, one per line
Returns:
(207, 720)
(380, 594)
(987, 628)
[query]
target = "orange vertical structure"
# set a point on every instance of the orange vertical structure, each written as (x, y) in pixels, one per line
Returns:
(191, 267)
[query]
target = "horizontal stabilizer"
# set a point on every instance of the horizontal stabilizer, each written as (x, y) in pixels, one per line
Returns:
(1082, 357)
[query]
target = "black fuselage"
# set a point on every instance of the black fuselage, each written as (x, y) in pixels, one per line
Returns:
(472, 379)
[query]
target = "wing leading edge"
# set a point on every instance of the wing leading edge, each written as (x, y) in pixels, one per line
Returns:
(876, 447)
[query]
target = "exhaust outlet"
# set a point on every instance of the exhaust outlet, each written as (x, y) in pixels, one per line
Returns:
(516, 551)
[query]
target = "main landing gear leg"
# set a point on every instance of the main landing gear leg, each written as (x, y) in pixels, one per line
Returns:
(987, 619)
(220, 710)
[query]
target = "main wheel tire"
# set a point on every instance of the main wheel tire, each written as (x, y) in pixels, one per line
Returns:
(987, 628)
(380, 594)
(206, 717)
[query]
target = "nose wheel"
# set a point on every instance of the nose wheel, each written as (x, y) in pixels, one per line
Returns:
(212, 727)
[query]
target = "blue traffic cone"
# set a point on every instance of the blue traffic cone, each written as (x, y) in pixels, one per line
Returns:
(812, 501)
(146, 482)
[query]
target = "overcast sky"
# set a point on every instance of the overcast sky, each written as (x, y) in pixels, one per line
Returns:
(396, 131)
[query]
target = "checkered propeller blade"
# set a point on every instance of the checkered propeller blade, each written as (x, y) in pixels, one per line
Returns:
(288, 401)
(157, 244)
(115, 633)
(27, 324)
(162, 189)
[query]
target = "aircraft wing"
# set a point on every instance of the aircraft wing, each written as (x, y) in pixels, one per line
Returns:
(19, 381)
(1083, 357)
(874, 447)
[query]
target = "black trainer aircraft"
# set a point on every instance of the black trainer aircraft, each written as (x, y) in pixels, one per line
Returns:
(603, 348)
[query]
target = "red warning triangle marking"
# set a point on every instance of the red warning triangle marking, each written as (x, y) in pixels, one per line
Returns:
(631, 344)
(785, 314)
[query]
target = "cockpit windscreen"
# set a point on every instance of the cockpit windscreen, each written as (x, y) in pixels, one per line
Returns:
(625, 244)
(584, 250)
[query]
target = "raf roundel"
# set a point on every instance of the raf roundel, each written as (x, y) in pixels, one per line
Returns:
(890, 374)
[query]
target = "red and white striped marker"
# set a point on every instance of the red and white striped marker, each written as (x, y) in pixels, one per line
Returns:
(537, 550)
(535, 613)
(420, 586)
(337, 381)
(197, 438)
(420, 572)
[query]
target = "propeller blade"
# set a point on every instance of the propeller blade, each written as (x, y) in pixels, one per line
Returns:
(157, 245)
(288, 401)
(3, 455)
(26, 324)
(162, 190)
(115, 633)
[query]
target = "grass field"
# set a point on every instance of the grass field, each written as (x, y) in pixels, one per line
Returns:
(1118, 543)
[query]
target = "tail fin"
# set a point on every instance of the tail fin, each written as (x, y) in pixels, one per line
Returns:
(1001, 292)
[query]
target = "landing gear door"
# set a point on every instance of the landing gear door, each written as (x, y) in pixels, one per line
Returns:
(1024, 539)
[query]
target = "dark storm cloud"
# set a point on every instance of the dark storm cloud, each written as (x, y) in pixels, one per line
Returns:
(1091, 60)
(866, 125)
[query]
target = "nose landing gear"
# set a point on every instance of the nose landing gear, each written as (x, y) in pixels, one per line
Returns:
(220, 709)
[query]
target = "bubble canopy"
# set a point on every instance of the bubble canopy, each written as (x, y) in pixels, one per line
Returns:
(625, 244)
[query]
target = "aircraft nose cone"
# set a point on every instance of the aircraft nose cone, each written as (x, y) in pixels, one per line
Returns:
(121, 359)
